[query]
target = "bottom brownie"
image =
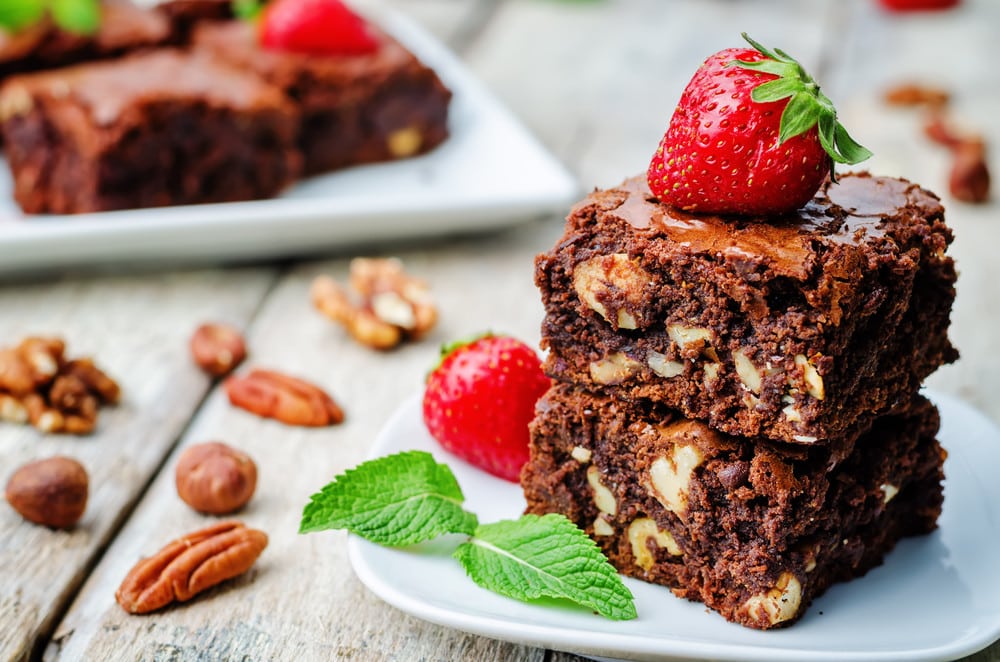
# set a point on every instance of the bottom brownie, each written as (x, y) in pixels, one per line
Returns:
(753, 529)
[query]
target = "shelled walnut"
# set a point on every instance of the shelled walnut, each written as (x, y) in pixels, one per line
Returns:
(41, 386)
(393, 306)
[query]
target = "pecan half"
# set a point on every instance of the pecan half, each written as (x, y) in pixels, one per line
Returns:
(394, 306)
(189, 565)
(916, 94)
(290, 400)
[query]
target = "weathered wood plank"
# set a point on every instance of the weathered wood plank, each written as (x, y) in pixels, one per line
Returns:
(302, 600)
(136, 327)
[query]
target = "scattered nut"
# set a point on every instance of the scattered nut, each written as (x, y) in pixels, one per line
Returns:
(38, 385)
(215, 478)
(603, 498)
(915, 94)
(395, 306)
(189, 565)
(581, 454)
(287, 399)
(51, 492)
(662, 366)
(615, 369)
(779, 604)
(598, 280)
(814, 383)
(643, 530)
(217, 348)
(669, 477)
(404, 142)
(969, 179)
(747, 372)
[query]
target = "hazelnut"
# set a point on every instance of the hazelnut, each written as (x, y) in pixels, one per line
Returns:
(217, 348)
(52, 492)
(215, 478)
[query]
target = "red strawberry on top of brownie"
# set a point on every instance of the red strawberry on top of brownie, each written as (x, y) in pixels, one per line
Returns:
(752, 135)
(319, 27)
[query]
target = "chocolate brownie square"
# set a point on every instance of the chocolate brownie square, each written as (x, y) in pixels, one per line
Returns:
(801, 328)
(755, 529)
(124, 27)
(355, 108)
(159, 128)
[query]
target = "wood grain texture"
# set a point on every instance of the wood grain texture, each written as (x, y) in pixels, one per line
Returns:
(597, 82)
(302, 601)
(136, 328)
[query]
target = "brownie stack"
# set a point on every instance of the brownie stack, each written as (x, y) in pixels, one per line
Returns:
(736, 411)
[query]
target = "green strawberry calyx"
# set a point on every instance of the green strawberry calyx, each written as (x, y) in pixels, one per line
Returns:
(449, 348)
(807, 106)
(75, 16)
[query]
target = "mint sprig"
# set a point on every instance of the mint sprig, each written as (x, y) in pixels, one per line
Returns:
(76, 16)
(407, 498)
(535, 557)
(807, 106)
(397, 500)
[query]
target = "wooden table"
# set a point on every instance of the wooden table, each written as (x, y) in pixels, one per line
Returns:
(596, 81)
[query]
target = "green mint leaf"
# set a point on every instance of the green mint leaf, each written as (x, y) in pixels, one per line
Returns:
(77, 16)
(248, 10)
(16, 15)
(395, 500)
(535, 557)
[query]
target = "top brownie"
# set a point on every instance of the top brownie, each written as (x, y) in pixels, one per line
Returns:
(801, 328)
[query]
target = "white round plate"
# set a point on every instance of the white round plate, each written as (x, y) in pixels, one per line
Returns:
(936, 597)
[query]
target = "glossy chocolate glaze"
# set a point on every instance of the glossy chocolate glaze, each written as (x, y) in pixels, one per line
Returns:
(857, 207)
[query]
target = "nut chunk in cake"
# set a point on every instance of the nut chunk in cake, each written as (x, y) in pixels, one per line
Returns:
(161, 128)
(752, 528)
(800, 328)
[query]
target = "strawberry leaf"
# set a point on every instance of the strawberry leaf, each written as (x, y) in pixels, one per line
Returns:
(545, 557)
(19, 14)
(807, 106)
(76, 16)
(775, 90)
(395, 500)
(247, 10)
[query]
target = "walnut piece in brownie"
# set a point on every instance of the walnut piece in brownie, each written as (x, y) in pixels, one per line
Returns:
(801, 328)
(159, 128)
(355, 108)
(753, 528)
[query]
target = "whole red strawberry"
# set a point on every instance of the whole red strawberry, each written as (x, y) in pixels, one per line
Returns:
(321, 27)
(751, 135)
(480, 399)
